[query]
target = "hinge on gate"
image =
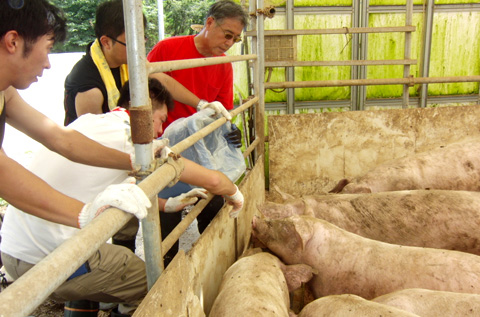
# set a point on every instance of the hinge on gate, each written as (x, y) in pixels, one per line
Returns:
(412, 81)
(268, 12)
(173, 160)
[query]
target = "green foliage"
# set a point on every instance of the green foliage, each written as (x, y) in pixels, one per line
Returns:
(181, 14)
(150, 9)
(80, 16)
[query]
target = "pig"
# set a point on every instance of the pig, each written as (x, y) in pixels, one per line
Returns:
(259, 285)
(429, 303)
(440, 219)
(350, 264)
(453, 167)
(348, 305)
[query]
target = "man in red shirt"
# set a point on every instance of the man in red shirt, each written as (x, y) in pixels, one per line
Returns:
(223, 27)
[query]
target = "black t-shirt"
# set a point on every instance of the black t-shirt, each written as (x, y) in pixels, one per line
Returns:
(85, 76)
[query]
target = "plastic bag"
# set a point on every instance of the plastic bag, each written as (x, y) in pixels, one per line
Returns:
(213, 151)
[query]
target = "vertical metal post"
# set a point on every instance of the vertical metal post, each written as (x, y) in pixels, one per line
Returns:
(359, 52)
(354, 69)
(426, 49)
(260, 84)
(407, 53)
(161, 24)
(138, 78)
(363, 52)
(290, 70)
(252, 7)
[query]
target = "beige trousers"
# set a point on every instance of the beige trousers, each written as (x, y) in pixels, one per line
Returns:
(117, 276)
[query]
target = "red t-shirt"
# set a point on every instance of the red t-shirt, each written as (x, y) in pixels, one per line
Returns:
(212, 83)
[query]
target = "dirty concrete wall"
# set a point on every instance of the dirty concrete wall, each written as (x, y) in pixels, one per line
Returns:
(310, 153)
(190, 284)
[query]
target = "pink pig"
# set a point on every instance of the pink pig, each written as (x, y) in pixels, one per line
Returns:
(442, 219)
(350, 264)
(454, 167)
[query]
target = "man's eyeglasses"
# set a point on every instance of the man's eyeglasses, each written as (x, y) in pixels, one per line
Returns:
(120, 42)
(229, 36)
(115, 40)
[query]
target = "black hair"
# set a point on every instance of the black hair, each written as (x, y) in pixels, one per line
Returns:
(109, 19)
(227, 9)
(32, 19)
(157, 92)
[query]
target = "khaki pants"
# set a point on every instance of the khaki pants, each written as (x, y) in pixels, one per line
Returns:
(128, 231)
(117, 276)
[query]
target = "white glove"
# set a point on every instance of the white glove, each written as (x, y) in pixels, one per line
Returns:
(237, 201)
(217, 106)
(159, 145)
(135, 167)
(164, 153)
(125, 196)
(174, 204)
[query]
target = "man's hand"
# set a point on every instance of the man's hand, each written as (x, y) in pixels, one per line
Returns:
(164, 153)
(235, 137)
(159, 145)
(236, 200)
(217, 106)
(175, 204)
(125, 196)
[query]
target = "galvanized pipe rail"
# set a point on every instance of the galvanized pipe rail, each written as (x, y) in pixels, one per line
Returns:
(366, 82)
(344, 30)
(341, 63)
(187, 142)
(173, 236)
(141, 129)
(407, 50)
(160, 67)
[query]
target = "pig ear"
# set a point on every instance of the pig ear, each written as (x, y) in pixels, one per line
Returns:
(250, 252)
(284, 195)
(308, 209)
(261, 208)
(303, 229)
(266, 210)
(271, 210)
(297, 274)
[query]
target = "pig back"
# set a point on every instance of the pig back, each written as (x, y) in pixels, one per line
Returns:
(348, 305)
(253, 286)
(453, 167)
(430, 303)
(440, 219)
(350, 264)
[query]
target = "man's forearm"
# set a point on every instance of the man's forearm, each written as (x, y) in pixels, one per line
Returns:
(214, 181)
(27, 192)
(78, 148)
(178, 91)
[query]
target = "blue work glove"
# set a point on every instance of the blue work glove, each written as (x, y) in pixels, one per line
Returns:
(234, 137)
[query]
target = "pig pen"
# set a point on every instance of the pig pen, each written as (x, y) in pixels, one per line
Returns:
(308, 154)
